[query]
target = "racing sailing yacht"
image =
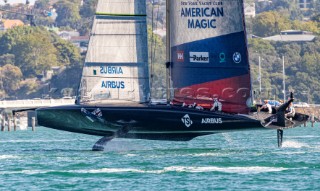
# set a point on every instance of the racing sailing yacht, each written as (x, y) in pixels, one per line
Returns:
(208, 75)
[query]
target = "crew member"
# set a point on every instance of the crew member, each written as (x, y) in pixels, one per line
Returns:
(216, 106)
(267, 106)
(291, 111)
(281, 102)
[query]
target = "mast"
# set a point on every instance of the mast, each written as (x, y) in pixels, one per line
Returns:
(284, 80)
(251, 98)
(260, 74)
(168, 50)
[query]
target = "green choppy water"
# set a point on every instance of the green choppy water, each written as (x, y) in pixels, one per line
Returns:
(249, 160)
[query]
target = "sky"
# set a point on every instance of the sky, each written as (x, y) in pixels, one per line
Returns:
(17, 1)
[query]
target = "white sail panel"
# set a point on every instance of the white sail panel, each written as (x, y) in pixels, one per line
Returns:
(122, 47)
(196, 20)
(112, 89)
(118, 39)
(115, 49)
(119, 25)
(122, 7)
(116, 64)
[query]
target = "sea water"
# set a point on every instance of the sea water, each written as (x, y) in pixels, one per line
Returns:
(248, 160)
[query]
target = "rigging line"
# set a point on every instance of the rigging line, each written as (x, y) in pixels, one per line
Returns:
(151, 56)
(155, 42)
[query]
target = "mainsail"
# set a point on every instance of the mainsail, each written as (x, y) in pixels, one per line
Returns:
(209, 59)
(116, 65)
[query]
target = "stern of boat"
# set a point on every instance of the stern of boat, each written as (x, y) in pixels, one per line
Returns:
(72, 119)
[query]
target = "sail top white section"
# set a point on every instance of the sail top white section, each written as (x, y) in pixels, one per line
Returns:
(204, 19)
(116, 64)
(122, 7)
(117, 39)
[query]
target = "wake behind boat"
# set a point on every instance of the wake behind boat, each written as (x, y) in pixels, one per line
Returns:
(207, 71)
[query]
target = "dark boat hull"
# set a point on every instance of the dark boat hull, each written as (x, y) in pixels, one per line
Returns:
(156, 122)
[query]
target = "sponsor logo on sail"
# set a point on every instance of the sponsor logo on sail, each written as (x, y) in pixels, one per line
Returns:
(113, 84)
(211, 120)
(201, 17)
(237, 57)
(222, 57)
(200, 57)
(111, 70)
(180, 56)
(186, 120)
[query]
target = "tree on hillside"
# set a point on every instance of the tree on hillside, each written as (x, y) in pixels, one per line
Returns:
(35, 54)
(27, 87)
(281, 4)
(7, 59)
(311, 47)
(262, 46)
(34, 50)
(310, 61)
(42, 4)
(311, 26)
(68, 54)
(316, 18)
(288, 8)
(301, 61)
(10, 38)
(87, 12)
(69, 78)
(68, 13)
(270, 23)
(88, 8)
(10, 78)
